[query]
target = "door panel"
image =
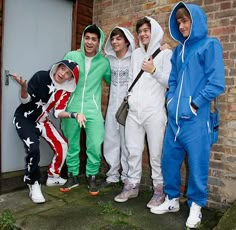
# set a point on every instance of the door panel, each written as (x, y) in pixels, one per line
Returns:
(36, 35)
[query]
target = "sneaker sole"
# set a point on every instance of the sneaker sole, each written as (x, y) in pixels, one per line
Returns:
(120, 200)
(152, 210)
(93, 193)
(197, 225)
(39, 201)
(124, 200)
(152, 206)
(68, 189)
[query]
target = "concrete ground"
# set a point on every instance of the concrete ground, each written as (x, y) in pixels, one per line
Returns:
(78, 210)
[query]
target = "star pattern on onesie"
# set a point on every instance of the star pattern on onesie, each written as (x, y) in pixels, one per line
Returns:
(29, 164)
(17, 125)
(39, 103)
(52, 88)
(39, 126)
(26, 178)
(28, 142)
(28, 113)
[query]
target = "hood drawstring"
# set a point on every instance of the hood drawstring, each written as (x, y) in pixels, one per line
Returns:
(177, 133)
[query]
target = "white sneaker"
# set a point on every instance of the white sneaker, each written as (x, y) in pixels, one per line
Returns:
(55, 181)
(195, 216)
(168, 206)
(35, 193)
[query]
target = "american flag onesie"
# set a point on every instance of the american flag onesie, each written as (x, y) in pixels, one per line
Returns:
(31, 119)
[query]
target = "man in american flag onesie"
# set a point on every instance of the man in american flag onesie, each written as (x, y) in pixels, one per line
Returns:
(45, 91)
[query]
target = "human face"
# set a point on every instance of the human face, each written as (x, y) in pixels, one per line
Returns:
(144, 34)
(62, 74)
(119, 45)
(184, 24)
(91, 44)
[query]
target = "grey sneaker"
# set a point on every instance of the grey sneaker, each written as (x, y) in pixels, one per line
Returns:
(129, 191)
(157, 198)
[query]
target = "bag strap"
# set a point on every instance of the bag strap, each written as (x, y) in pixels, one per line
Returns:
(141, 71)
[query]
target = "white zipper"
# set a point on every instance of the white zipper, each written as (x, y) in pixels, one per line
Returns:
(177, 108)
(82, 100)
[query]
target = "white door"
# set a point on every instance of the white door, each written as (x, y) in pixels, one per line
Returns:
(37, 33)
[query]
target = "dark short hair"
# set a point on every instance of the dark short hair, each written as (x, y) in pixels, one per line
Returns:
(121, 33)
(181, 12)
(93, 29)
(142, 21)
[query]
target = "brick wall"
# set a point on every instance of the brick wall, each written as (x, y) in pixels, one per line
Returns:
(222, 24)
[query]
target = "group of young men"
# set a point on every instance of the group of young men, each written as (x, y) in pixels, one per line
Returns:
(181, 83)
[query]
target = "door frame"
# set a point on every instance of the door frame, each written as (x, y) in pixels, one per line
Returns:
(1, 45)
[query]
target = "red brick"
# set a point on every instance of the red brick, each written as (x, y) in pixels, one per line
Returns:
(223, 30)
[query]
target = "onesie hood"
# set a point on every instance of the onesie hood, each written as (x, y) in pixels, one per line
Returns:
(199, 27)
(69, 85)
(157, 34)
(108, 47)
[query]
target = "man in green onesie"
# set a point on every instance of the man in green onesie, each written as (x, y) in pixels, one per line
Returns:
(86, 101)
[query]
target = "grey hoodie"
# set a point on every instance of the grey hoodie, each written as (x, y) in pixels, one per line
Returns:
(120, 70)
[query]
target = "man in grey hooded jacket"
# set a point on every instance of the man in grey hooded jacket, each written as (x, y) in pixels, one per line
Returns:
(119, 47)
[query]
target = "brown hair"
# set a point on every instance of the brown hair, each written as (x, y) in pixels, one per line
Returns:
(142, 21)
(119, 32)
(181, 12)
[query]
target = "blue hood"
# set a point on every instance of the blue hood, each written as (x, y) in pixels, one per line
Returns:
(199, 28)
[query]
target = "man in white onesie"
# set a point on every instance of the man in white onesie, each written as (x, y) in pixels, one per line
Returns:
(147, 113)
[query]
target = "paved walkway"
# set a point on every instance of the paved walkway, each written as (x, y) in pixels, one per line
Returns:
(78, 210)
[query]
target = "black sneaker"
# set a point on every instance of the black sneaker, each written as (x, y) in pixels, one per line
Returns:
(72, 182)
(107, 184)
(92, 186)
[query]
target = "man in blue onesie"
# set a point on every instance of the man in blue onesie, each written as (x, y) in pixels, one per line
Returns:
(196, 78)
